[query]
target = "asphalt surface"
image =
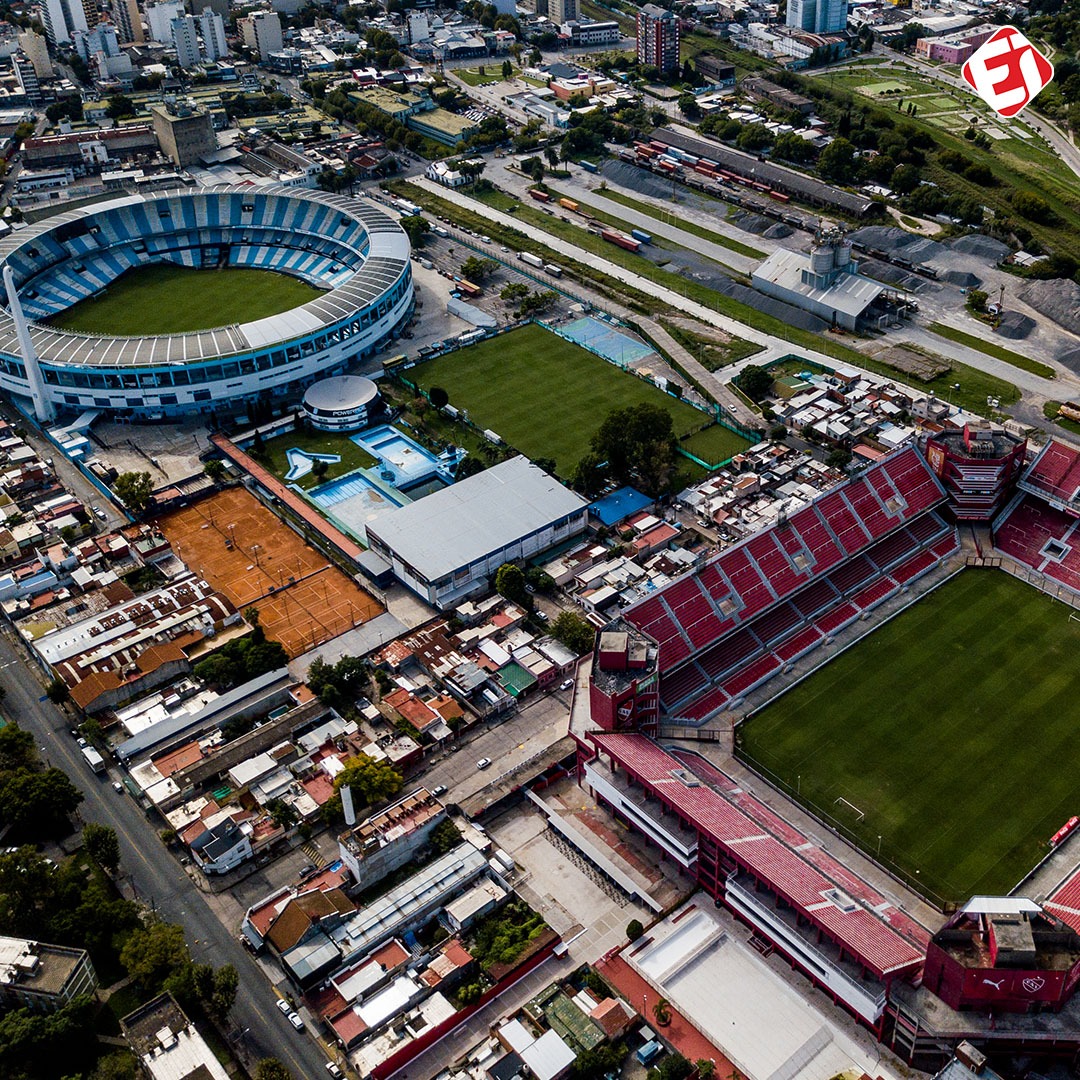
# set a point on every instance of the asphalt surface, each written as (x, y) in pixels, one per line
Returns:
(153, 875)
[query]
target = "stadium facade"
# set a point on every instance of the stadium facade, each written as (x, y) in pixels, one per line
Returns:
(346, 246)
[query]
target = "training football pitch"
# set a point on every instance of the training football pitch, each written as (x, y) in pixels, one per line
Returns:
(952, 729)
(165, 299)
(546, 396)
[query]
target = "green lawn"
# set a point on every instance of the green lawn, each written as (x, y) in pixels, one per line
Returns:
(991, 348)
(952, 728)
(715, 444)
(163, 299)
(543, 395)
(492, 74)
(317, 442)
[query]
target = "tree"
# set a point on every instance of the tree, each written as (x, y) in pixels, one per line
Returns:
(839, 459)
(755, 382)
(638, 443)
(673, 1067)
(445, 837)
(120, 106)
(573, 631)
(838, 162)
(320, 468)
(215, 470)
(634, 930)
(510, 582)
(438, 397)
(369, 779)
(134, 489)
(119, 1065)
(588, 475)
(552, 156)
(283, 814)
(476, 269)
(57, 691)
(514, 292)
(416, 228)
(689, 106)
(102, 846)
(705, 1068)
(976, 301)
(153, 952)
(272, 1069)
(778, 433)
(223, 994)
(662, 1012)
(40, 801)
(600, 1061)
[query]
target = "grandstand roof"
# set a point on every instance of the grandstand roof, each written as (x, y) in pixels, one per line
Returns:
(1055, 474)
(813, 888)
(387, 256)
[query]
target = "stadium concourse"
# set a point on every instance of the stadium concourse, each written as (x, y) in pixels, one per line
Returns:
(1004, 968)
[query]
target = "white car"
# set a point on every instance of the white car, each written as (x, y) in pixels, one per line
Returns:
(333, 1070)
(483, 763)
(294, 1019)
(566, 684)
(283, 1006)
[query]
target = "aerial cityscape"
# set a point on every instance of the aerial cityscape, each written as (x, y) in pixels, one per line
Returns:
(538, 540)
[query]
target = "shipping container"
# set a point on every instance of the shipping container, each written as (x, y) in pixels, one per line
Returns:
(638, 234)
(528, 257)
(779, 196)
(539, 196)
(588, 166)
(468, 288)
(568, 204)
(617, 238)
(553, 270)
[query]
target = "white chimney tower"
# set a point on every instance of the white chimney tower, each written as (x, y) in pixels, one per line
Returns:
(347, 806)
(43, 408)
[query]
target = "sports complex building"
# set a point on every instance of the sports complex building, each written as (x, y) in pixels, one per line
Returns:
(998, 971)
(347, 247)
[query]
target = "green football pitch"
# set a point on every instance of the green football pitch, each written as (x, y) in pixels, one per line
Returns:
(165, 299)
(547, 396)
(951, 730)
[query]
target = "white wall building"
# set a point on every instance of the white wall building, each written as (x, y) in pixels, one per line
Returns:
(185, 40)
(261, 31)
(159, 19)
(449, 545)
(213, 35)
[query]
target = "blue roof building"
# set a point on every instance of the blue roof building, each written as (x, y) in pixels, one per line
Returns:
(618, 506)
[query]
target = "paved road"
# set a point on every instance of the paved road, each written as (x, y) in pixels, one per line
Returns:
(156, 877)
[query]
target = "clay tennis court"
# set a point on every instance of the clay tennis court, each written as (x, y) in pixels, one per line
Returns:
(248, 555)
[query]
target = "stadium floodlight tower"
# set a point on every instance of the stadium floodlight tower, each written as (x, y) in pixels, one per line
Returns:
(43, 408)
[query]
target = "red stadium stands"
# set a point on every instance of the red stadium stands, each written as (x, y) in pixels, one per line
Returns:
(1029, 527)
(1055, 473)
(734, 617)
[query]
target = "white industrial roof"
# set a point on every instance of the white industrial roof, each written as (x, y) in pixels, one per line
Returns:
(850, 293)
(470, 520)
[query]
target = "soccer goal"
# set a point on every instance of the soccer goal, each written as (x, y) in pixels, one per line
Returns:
(851, 806)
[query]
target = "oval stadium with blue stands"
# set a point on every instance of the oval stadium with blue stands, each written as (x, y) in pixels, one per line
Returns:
(348, 247)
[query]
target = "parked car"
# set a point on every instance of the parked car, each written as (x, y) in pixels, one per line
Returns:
(118, 787)
(333, 1069)
(566, 684)
(294, 1019)
(483, 763)
(284, 1006)
(439, 789)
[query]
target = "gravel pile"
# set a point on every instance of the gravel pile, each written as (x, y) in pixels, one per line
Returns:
(886, 238)
(779, 231)
(1015, 325)
(960, 277)
(635, 179)
(751, 223)
(1058, 299)
(983, 247)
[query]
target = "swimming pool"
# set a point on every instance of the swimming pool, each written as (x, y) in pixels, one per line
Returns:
(403, 462)
(355, 500)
